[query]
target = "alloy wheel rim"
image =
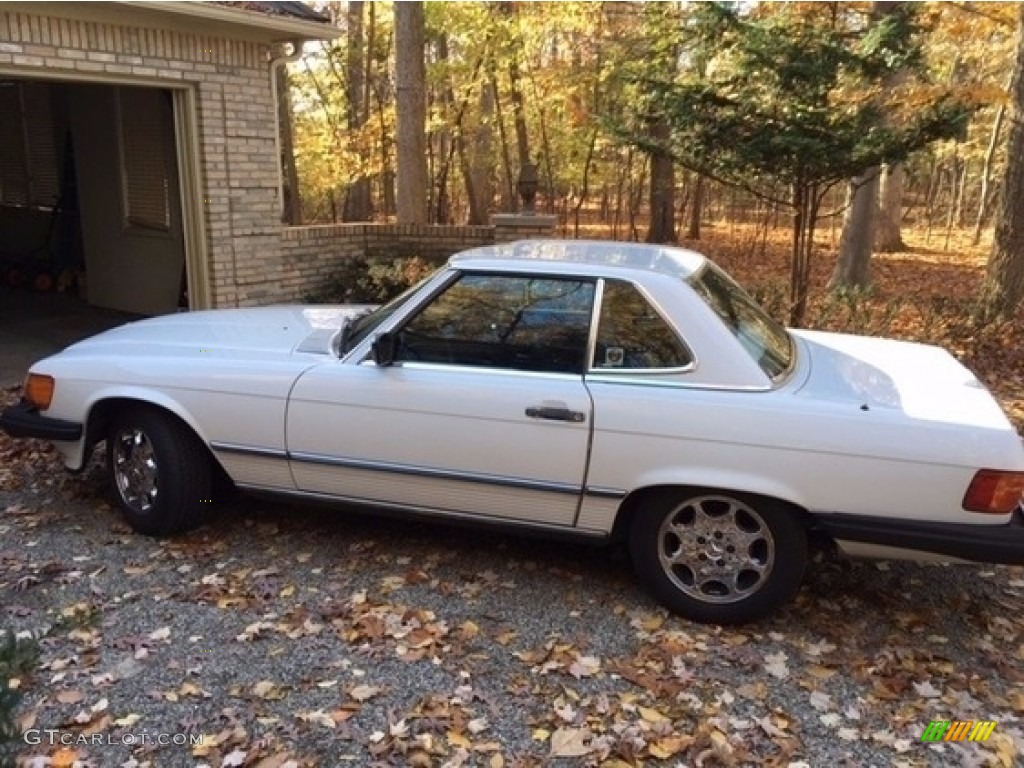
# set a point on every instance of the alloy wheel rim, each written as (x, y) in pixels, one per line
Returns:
(716, 549)
(135, 470)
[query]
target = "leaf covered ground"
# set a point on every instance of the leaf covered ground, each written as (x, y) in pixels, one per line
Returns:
(290, 636)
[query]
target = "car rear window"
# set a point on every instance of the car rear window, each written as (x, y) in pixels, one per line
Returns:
(632, 336)
(764, 339)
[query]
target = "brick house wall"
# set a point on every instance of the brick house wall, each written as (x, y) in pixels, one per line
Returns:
(235, 122)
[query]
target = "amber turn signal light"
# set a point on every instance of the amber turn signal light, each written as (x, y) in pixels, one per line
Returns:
(39, 390)
(994, 492)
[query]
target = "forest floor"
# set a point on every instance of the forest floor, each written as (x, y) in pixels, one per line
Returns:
(278, 636)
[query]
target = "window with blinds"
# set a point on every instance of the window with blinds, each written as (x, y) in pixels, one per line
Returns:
(142, 114)
(28, 148)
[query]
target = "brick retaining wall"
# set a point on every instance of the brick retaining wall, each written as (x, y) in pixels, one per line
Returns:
(310, 254)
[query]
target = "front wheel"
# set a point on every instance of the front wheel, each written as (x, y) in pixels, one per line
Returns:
(718, 557)
(159, 472)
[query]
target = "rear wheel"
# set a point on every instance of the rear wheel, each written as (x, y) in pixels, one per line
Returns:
(159, 472)
(718, 557)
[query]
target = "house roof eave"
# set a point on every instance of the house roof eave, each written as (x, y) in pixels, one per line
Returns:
(275, 27)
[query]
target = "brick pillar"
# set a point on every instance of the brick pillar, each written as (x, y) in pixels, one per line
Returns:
(522, 226)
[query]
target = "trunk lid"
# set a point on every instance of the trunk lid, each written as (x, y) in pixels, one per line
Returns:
(924, 382)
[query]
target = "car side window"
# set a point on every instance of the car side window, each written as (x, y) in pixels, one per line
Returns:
(632, 335)
(504, 321)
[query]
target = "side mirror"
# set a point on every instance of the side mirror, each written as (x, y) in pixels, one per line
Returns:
(384, 349)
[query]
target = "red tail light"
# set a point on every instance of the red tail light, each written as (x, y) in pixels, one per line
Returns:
(994, 492)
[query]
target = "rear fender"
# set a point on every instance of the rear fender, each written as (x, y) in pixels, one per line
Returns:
(726, 480)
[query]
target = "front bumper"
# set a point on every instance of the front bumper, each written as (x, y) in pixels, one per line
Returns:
(978, 543)
(24, 420)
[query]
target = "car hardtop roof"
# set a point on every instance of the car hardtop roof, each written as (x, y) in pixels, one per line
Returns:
(676, 262)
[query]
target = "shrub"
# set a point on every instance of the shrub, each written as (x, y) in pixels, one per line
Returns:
(370, 280)
(18, 656)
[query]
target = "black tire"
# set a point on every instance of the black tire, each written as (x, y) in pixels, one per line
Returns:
(717, 556)
(159, 472)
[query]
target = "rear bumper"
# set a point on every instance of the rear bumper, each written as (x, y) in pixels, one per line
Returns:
(24, 420)
(978, 543)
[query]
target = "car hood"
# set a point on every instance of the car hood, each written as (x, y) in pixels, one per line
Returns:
(263, 332)
(923, 382)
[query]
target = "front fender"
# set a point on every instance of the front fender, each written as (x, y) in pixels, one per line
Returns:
(76, 453)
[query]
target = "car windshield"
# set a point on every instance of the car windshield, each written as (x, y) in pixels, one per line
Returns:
(362, 325)
(765, 340)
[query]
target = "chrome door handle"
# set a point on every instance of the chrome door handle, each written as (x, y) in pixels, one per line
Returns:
(555, 413)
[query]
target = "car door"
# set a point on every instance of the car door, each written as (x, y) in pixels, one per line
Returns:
(482, 413)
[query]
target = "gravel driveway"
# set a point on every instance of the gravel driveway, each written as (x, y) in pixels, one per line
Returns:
(280, 635)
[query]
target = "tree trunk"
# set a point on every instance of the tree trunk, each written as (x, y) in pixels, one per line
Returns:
(516, 92)
(853, 267)
(411, 108)
(696, 208)
(508, 189)
(481, 167)
(545, 144)
(888, 231)
(805, 215)
(585, 185)
(954, 176)
(291, 208)
(446, 143)
(358, 202)
(985, 201)
(1004, 286)
(377, 81)
(855, 242)
(662, 226)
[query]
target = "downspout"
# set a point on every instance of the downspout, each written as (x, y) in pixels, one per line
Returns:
(280, 61)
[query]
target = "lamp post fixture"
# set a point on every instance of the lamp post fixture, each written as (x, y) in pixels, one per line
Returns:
(527, 185)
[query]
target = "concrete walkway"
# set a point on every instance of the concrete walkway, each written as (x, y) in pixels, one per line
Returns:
(34, 325)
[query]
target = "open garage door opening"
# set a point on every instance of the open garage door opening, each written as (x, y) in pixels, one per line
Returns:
(90, 201)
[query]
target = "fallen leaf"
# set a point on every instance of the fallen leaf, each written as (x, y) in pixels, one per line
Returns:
(570, 742)
(770, 728)
(585, 666)
(775, 665)
(363, 692)
(667, 747)
(274, 761)
(821, 701)
(317, 716)
(234, 758)
(457, 740)
(652, 716)
(266, 689)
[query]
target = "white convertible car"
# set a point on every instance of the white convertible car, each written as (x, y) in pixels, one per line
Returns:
(602, 390)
